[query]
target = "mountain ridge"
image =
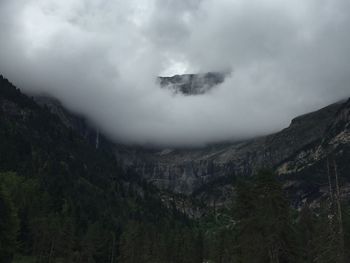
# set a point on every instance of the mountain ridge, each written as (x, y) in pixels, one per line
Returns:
(192, 84)
(206, 174)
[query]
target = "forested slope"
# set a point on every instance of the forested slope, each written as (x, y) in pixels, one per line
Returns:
(61, 200)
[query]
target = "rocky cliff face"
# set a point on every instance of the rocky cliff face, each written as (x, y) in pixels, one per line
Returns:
(316, 170)
(302, 154)
(192, 84)
(187, 171)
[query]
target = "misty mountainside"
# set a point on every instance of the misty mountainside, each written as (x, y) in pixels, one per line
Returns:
(64, 198)
(300, 153)
(69, 194)
(208, 172)
(192, 84)
(36, 131)
(319, 168)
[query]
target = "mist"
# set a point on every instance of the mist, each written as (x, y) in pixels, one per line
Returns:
(101, 59)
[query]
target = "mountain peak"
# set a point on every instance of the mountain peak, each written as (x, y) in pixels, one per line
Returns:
(192, 84)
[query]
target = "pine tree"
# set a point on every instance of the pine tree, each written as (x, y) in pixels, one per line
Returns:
(306, 227)
(9, 226)
(265, 231)
(326, 243)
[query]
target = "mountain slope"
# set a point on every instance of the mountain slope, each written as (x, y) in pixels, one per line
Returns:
(207, 173)
(66, 198)
(188, 170)
(318, 169)
(71, 202)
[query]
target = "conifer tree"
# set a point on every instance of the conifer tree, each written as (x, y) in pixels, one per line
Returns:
(265, 231)
(8, 227)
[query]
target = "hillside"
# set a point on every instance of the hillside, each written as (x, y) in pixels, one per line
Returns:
(206, 174)
(63, 200)
(69, 194)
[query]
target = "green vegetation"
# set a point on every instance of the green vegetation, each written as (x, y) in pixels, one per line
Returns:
(262, 227)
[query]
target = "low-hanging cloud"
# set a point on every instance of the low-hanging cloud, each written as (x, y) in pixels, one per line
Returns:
(101, 59)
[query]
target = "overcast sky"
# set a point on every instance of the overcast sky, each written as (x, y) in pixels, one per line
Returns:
(100, 58)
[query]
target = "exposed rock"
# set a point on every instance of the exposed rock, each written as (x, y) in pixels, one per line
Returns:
(299, 154)
(314, 167)
(188, 171)
(192, 84)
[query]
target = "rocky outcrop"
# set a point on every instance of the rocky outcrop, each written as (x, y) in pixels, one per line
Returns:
(301, 155)
(311, 172)
(188, 171)
(192, 84)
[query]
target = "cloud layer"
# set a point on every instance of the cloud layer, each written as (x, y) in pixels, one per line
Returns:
(100, 58)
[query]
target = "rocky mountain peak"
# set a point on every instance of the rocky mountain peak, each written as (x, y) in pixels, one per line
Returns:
(192, 84)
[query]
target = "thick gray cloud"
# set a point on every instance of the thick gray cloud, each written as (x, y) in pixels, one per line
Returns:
(100, 58)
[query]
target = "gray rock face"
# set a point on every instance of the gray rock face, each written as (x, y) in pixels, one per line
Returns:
(192, 84)
(187, 171)
(300, 154)
(310, 173)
